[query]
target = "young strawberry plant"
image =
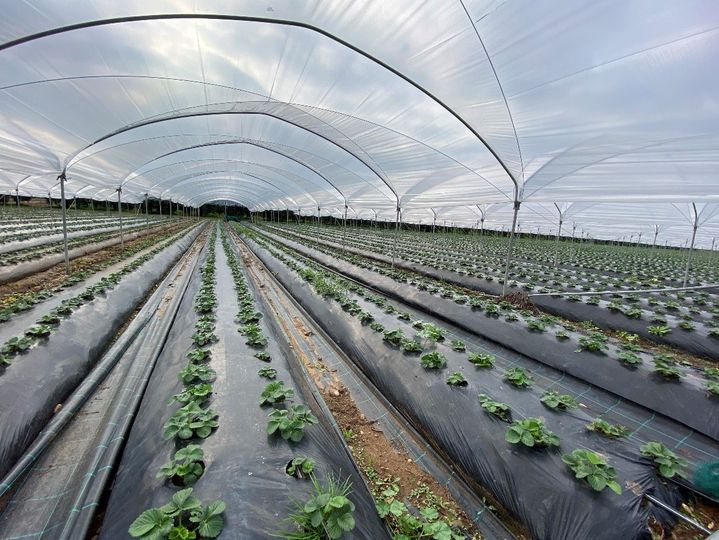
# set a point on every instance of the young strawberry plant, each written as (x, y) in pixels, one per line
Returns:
(411, 346)
(263, 355)
(629, 358)
(666, 367)
(432, 332)
(531, 432)
(458, 345)
(612, 431)
(183, 518)
(290, 424)
(596, 342)
(199, 393)
(712, 387)
(328, 513)
(593, 468)
(185, 467)
(267, 372)
(300, 467)
(192, 373)
(457, 379)
(481, 360)
(191, 421)
(659, 330)
(395, 337)
(519, 377)
(667, 462)
(433, 360)
(498, 409)
(39, 331)
(555, 400)
(275, 392)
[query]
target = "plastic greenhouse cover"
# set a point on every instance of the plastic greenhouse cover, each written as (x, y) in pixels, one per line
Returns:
(437, 104)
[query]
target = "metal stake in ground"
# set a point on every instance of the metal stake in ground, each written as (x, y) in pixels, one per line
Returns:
(63, 205)
(511, 246)
(119, 212)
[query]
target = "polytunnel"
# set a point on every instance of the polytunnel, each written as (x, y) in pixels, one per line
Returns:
(461, 252)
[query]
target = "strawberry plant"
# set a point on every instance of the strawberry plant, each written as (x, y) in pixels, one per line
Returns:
(712, 387)
(612, 431)
(519, 377)
(326, 514)
(411, 346)
(555, 400)
(300, 467)
(50, 318)
(275, 392)
(199, 393)
(365, 317)
(39, 331)
(432, 332)
(630, 358)
(290, 424)
(481, 360)
(667, 368)
(595, 342)
(592, 468)
(191, 421)
(267, 372)
(376, 326)
(561, 335)
(202, 338)
(667, 462)
(498, 409)
(458, 345)
(659, 330)
(197, 373)
(433, 360)
(457, 379)
(394, 337)
(182, 518)
(198, 355)
(531, 432)
(16, 345)
(687, 325)
(185, 467)
(263, 355)
(711, 373)
(536, 325)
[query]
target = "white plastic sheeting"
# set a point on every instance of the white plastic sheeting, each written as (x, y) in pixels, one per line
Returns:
(320, 104)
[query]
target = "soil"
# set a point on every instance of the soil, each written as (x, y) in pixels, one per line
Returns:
(53, 277)
(704, 512)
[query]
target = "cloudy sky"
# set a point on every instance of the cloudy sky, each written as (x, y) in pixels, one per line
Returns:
(612, 102)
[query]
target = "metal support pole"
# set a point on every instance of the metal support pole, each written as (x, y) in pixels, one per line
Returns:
(344, 228)
(318, 218)
(511, 247)
(119, 213)
(654, 243)
(398, 217)
(147, 213)
(17, 196)
(556, 243)
(63, 205)
(689, 255)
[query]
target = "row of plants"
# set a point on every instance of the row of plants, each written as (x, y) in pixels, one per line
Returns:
(32, 231)
(12, 305)
(530, 432)
(624, 348)
(328, 512)
(184, 517)
(682, 310)
(31, 253)
(50, 322)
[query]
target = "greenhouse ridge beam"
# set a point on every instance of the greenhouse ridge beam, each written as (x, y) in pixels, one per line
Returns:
(266, 20)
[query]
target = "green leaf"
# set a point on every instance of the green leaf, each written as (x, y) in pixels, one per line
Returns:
(152, 523)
